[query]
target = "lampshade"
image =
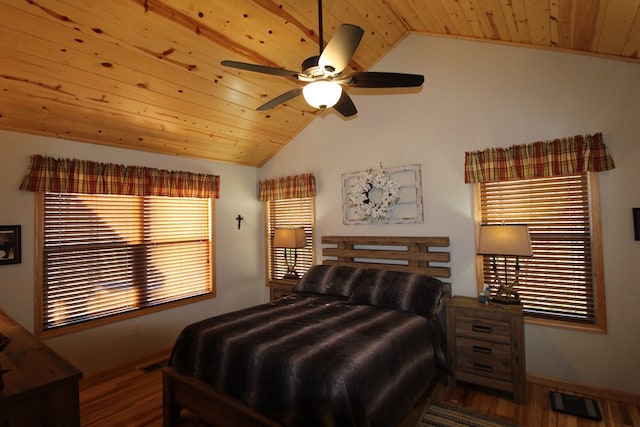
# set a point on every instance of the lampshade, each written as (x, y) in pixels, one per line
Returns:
(322, 93)
(289, 238)
(510, 239)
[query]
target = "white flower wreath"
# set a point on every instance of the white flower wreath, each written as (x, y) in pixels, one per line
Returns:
(360, 196)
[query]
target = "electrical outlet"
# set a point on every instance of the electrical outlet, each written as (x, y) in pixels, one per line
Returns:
(136, 329)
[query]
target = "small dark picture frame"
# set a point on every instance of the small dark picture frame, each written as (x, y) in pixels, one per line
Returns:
(636, 223)
(10, 251)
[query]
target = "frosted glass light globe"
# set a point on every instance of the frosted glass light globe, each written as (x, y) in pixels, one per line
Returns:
(322, 93)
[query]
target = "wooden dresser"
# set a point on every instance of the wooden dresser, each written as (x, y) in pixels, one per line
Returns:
(40, 387)
(485, 344)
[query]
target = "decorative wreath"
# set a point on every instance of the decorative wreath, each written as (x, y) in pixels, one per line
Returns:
(360, 195)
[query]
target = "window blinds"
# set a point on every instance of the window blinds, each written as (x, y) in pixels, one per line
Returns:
(286, 213)
(105, 255)
(557, 282)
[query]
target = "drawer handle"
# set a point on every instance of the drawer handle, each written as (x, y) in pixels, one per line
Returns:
(481, 349)
(481, 328)
(482, 367)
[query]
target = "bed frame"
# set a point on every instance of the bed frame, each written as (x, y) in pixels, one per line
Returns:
(424, 255)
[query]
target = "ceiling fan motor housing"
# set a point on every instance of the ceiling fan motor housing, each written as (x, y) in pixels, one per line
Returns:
(309, 63)
(311, 70)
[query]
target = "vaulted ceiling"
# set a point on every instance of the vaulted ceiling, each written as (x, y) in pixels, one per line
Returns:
(146, 74)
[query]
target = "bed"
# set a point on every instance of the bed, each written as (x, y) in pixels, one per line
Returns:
(358, 343)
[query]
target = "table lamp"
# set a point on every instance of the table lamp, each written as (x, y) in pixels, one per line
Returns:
(290, 238)
(505, 240)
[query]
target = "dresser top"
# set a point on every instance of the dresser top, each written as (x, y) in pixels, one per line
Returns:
(29, 364)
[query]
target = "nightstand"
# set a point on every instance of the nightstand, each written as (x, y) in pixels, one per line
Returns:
(279, 288)
(485, 344)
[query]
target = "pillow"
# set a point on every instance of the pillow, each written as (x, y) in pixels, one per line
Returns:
(412, 292)
(336, 280)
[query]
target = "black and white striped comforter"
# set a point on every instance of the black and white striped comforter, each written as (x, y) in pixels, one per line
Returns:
(312, 360)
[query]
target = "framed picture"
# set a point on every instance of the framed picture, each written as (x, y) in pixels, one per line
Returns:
(10, 252)
(636, 223)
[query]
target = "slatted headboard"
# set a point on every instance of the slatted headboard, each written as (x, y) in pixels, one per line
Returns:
(415, 254)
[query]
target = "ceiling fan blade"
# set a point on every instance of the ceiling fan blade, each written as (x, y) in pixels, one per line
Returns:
(261, 69)
(340, 49)
(345, 105)
(280, 99)
(381, 80)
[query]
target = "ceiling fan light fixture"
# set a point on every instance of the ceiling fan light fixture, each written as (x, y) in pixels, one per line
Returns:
(322, 93)
(324, 74)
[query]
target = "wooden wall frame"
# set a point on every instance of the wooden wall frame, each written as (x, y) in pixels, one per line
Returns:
(407, 210)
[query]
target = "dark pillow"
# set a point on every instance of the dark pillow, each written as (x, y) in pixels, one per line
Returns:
(415, 293)
(337, 280)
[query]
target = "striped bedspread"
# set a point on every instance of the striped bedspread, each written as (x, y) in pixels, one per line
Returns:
(312, 360)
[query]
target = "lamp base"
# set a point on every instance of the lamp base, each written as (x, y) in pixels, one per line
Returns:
(505, 300)
(506, 296)
(290, 275)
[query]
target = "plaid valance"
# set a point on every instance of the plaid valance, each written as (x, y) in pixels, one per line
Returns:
(560, 157)
(80, 176)
(288, 187)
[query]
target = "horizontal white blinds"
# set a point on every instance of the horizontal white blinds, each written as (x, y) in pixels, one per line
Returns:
(286, 213)
(557, 282)
(110, 254)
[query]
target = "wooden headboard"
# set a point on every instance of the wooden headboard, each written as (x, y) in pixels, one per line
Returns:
(415, 254)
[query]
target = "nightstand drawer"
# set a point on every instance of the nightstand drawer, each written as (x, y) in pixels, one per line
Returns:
(486, 367)
(483, 329)
(279, 291)
(473, 348)
(281, 287)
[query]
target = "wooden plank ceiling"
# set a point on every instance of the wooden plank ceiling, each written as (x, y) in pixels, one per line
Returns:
(146, 74)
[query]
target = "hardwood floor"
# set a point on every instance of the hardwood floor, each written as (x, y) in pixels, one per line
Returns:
(536, 411)
(132, 396)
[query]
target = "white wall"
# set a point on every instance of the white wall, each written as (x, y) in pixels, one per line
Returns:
(239, 253)
(480, 95)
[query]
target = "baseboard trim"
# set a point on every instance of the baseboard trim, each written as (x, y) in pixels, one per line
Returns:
(604, 393)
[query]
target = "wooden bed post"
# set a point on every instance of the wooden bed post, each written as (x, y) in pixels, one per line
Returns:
(170, 410)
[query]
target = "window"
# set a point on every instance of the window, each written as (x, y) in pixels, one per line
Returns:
(562, 284)
(108, 257)
(283, 213)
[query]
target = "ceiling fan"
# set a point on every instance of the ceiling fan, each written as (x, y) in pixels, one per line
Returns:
(323, 73)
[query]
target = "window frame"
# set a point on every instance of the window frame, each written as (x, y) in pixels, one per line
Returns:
(40, 286)
(597, 261)
(270, 252)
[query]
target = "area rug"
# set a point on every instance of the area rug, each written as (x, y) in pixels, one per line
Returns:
(442, 415)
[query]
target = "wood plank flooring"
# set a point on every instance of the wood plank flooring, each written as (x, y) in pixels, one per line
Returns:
(536, 411)
(132, 396)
